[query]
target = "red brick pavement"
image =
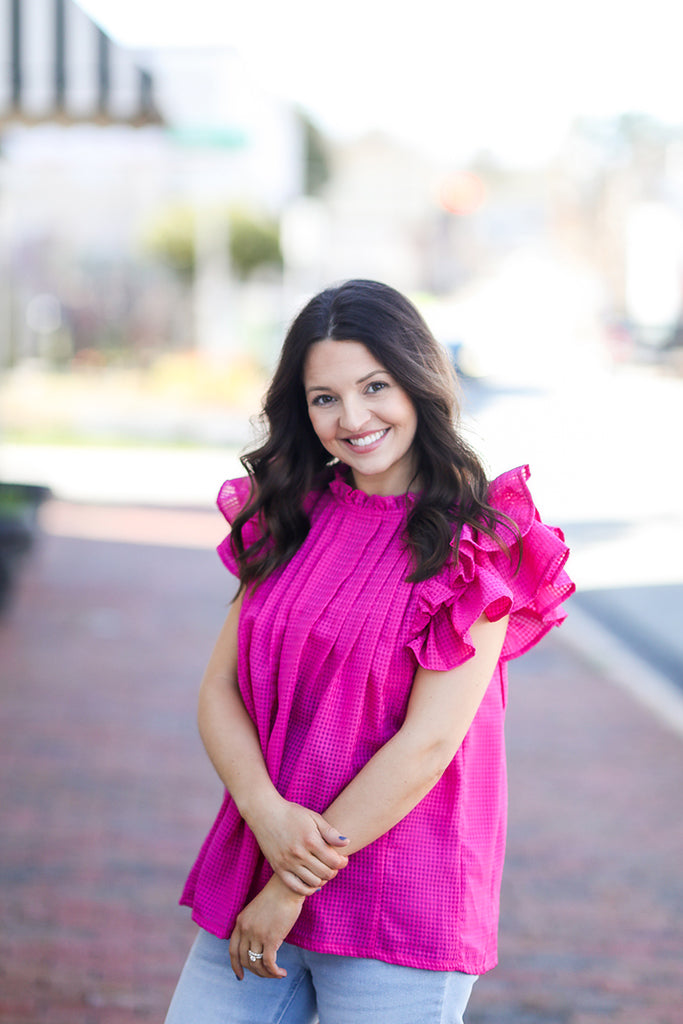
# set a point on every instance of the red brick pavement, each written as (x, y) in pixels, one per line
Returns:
(106, 794)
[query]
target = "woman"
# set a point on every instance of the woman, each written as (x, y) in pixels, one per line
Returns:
(353, 706)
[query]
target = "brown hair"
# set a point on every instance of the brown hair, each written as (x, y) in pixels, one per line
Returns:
(292, 461)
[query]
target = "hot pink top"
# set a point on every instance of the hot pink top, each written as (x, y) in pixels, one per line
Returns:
(328, 648)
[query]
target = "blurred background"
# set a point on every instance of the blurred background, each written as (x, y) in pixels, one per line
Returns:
(177, 179)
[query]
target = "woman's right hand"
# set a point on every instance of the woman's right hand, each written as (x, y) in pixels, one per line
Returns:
(303, 849)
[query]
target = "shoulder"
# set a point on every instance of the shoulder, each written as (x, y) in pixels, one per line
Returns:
(234, 495)
(524, 579)
(509, 493)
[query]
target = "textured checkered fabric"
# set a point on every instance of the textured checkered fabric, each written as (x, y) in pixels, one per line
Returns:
(328, 648)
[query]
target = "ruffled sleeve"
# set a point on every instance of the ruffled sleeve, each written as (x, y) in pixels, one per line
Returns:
(232, 497)
(529, 588)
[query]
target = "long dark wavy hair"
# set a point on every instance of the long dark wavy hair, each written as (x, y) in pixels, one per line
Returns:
(292, 461)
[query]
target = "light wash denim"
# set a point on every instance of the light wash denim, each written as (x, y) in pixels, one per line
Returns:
(318, 987)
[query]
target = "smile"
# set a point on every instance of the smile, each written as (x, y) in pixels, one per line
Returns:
(367, 440)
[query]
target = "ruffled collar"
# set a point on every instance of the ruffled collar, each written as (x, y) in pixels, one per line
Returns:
(383, 503)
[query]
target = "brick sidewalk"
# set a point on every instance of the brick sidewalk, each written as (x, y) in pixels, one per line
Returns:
(106, 794)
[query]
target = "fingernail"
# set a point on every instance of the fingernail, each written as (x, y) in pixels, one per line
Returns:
(343, 837)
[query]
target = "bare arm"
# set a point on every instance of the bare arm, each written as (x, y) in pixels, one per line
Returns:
(441, 709)
(227, 731)
(298, 843)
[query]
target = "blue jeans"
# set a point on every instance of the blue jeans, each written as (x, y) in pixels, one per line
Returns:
(318, 987)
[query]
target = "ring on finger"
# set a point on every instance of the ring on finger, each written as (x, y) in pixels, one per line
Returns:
(254, 957)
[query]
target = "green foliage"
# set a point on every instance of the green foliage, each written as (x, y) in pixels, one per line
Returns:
(254, 243)
(170, 239)
(254, 240)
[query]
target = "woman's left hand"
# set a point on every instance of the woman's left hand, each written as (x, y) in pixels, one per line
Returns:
(302, 848)
(262, 927)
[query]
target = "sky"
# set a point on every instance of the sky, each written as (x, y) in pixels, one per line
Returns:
(449, 77)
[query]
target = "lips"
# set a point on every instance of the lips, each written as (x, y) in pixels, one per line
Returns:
(367, 441)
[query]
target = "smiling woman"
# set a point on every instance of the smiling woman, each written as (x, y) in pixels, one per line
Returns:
(353, 706)
(386, 333)
(365, 418)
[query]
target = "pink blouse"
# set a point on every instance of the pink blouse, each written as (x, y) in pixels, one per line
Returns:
(328, 648)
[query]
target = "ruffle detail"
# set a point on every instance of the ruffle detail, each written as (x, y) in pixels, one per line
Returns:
(232, 497)
(376, 503)
(486, 580)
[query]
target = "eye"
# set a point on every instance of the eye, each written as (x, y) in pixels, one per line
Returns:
(376, 385)
(321, 400)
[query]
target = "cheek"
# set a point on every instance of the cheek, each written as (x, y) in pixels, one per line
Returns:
(319, 422)
(411, 432)
(408, 415)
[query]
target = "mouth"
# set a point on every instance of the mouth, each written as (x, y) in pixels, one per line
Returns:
(368, 442)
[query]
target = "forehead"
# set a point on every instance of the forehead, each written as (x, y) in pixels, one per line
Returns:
(339, 359)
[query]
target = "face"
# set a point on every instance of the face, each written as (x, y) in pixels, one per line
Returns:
(361, 415)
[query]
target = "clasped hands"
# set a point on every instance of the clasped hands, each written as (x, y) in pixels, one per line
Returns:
(305, 852)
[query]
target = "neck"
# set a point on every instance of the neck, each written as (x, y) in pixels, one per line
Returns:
(385, 487)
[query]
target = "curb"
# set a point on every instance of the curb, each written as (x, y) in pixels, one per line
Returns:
(601, 649)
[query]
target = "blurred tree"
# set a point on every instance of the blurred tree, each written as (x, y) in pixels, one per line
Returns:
(254, 242)
(170, 238)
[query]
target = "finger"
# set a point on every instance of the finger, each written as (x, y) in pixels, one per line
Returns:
(270, 965)
(313, 875)
(320, 859)
(244, 954)
(330, 834)
(254, 963)
(327, 860)
(235, 962)
(329, 849)
(297, 885)
(328, 864)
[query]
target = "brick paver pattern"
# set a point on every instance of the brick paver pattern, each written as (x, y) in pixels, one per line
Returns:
(106, 794)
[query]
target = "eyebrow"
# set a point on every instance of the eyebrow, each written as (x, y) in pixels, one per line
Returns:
(361, 380)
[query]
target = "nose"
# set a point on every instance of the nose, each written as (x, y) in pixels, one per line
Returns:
(354, 414)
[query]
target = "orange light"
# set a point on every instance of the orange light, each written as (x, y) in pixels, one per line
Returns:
(462, 192)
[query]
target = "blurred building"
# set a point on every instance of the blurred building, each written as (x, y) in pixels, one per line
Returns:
(619, 207)
(97, 143)
(380, 200)
(58, 65)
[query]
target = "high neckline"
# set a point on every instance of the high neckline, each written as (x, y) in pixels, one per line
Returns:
(345, 493)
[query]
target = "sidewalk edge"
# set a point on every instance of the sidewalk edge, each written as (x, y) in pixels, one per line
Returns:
(603, 651)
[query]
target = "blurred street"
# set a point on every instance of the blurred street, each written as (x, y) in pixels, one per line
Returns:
(106, 791)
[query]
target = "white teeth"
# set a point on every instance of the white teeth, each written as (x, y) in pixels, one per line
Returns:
(363, 442)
